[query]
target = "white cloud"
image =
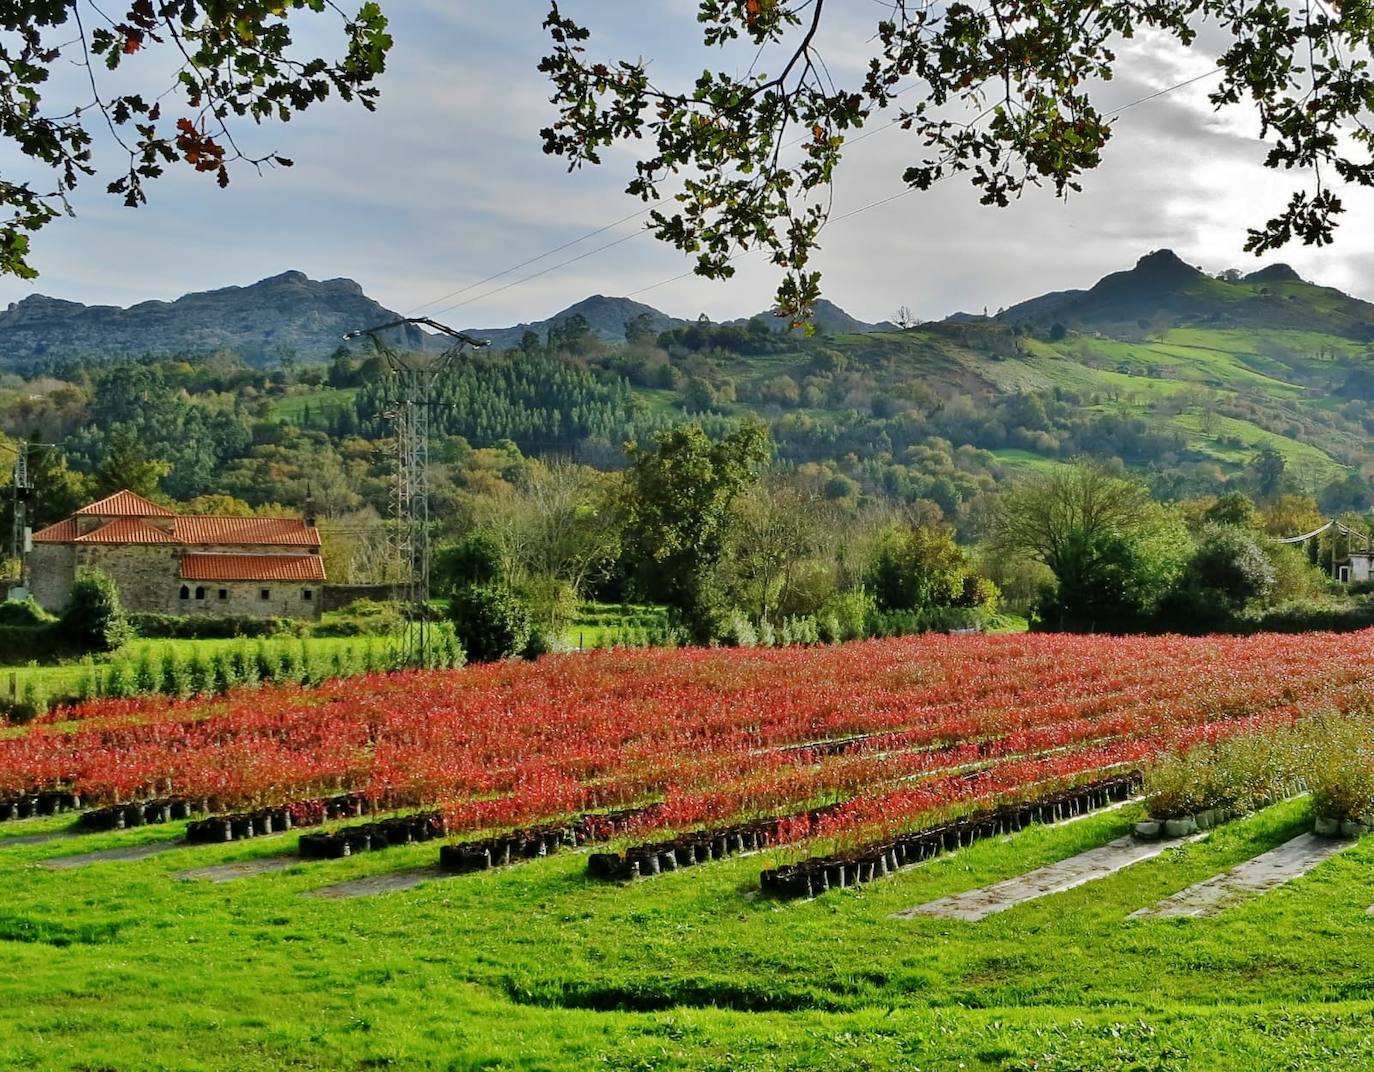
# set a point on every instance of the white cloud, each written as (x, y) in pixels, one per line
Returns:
(447, 184)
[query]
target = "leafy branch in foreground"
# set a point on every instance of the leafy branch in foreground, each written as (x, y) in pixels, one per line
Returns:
(1002, 92)
(232, 61)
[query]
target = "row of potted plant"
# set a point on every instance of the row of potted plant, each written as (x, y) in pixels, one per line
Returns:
(1217, 779)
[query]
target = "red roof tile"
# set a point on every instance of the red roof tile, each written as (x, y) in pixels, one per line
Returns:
(126, 530)
(203, 567)
(125, 504)
(269, 531)
(62, 532)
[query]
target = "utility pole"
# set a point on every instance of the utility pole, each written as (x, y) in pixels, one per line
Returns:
(21, 492)
(415, 376)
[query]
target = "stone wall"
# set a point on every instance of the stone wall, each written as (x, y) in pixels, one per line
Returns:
(52, 568)
(145, 573)
(149, 580)
(243, 599)
(338, 596)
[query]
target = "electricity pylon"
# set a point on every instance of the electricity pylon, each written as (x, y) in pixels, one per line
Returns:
(414, 375)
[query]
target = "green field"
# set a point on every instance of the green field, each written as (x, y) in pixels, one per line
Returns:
(64, 679)
(124, 966)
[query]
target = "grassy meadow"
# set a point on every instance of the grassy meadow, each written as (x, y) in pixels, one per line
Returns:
(126, 966)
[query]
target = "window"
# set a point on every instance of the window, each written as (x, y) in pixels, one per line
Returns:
(1345, 574)
(266, 593)
(185, 592)
(200, 592)
(224, 593)
(307, 594)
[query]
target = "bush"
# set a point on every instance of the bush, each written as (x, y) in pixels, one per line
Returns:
(490, 622)
(472, 562)
(176, 682)
(739, 632)
(24, 612)
(1340, 767)
(1230, 561)
(33, 703)
(117, 683)
(850, 610)
(363, 617)
(94, 619)
(146, 678)
(188, 627)
(25, 643)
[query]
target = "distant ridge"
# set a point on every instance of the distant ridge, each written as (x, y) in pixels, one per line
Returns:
(286, 315)
(291, 316)
(1164, 291)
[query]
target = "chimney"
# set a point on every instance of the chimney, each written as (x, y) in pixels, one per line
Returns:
(309, 511)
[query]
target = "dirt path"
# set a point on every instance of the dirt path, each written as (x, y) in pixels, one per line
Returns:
(1089, 866)
(1250, 879)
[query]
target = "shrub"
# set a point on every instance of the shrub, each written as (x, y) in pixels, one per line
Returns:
(828, 629)
(490, 621)
(245, 666)
(739, 632)
(117, 683)
(94, 619)
(175, 679)
(850, 611)
(226, 627)
(473, 561)
(33, 703)
(24, 612)
(200, 680)
(1173, 786)
(146, 678)
(1340, 767)
(222, 675)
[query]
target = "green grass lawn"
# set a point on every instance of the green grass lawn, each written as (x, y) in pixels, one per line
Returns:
(122, 966)
(601, 624)
(321, 401)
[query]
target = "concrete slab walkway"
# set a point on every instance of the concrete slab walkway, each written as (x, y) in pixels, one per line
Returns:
(35, 839)
(372, 885)
(239, 869)
(124, 853)
(1251, 879)
(1086, 867)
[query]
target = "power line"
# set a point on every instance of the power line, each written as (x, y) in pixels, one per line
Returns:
(654, 204)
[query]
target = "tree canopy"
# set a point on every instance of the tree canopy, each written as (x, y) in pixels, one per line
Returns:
(1004, 93)
(230, 62)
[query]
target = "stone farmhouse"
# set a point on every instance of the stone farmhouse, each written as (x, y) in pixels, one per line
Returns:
(173, 564)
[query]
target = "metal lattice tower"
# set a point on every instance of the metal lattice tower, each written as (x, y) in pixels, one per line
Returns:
(414, 376)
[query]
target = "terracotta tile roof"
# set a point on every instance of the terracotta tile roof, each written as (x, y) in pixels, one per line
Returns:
(197, 529)
(62, 532)
(270, 531)
(126, 530)
(203, 567)
(125, 504)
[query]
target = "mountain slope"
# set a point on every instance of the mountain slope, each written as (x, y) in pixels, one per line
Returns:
(285, 315)
(606, 317)
(1163, 292)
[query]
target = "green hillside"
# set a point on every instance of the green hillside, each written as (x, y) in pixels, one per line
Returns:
(1262, 382)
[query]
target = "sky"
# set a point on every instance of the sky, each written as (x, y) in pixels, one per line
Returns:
(447, 185)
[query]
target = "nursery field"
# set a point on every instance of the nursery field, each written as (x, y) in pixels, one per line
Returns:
(706, 859)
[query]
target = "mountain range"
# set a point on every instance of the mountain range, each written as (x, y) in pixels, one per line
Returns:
(292, 316)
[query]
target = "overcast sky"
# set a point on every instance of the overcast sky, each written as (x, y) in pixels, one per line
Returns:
(446, 185)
